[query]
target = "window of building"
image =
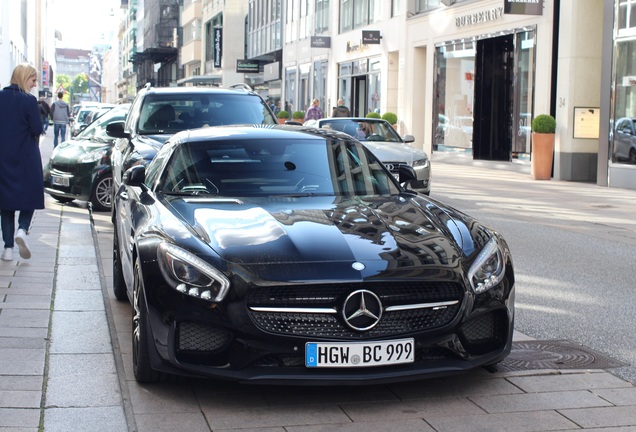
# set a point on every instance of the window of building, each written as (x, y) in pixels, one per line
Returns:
(623, 134)
(322, 16)
(192, 31)
(290, 89)
(396, 8)
(358, 13)
(626, 15)
(426, 5)
(320, 83)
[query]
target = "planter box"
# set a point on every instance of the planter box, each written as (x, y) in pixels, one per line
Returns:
(542, 155)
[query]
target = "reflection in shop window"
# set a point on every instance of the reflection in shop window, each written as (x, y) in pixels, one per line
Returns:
(623, 132)
(455, 66)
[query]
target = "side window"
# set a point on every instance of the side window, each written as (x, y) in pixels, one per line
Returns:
(133, 116)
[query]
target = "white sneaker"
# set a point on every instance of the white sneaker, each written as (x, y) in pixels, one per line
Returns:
(23, 246)
(7, 255)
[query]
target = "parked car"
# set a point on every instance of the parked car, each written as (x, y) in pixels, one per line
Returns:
(624, 140)
(289, 254)
(382, 139)
(85, 116)
(158, 113)
(80, 167)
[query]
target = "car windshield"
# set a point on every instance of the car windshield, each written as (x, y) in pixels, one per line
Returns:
(363, 130)
(96, 131)
(166, 113)
(293, 167)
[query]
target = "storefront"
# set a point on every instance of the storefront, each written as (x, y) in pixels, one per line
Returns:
(480, 64)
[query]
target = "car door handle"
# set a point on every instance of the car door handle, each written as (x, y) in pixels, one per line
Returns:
(123, 195)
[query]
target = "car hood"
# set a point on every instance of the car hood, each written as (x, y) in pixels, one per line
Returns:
(148, 145)
(384, 232)
(394, 152)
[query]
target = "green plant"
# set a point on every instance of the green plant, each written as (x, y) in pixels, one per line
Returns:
(373, 114)
(282, 114)
(298, 115)
(390, 117)
(544, 123)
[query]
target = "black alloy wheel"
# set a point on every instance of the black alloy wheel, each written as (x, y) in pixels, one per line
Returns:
(119, 284)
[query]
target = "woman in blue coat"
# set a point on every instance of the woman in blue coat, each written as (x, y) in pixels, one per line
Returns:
(21, 181)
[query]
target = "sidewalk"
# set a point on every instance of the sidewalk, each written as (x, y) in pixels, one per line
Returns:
(61, 367)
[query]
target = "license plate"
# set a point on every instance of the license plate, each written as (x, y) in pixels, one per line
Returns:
(359, 354)
(59, 181)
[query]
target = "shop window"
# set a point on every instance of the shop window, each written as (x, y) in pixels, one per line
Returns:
(623, 132)
(426, 5)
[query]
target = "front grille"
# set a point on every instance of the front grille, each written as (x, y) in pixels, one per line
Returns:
(393, 323)
(199, 338)
(394, 167)
(67, 167)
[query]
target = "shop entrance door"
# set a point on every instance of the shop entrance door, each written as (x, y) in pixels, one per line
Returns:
(493, 112)
(359, 97)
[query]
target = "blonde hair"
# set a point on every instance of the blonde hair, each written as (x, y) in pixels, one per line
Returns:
(21, 75)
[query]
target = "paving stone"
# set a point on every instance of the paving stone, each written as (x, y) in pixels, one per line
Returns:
(602, 417)
(20, 399)
(410, 425)
(539, 401)
(170, 422)
(20, 332)
(450, 387)
(166, 398)
(85, 300)
(379, 411)
(19, 418)
(80, 332)
(579, 381)
(100, 419)
(78, 277)
(620, 396)
(21, 382)
(24, 318)
(519, 422)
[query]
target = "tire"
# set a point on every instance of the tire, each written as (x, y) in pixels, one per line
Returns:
(61, 199)
(144, 373)
(102, 195)
(119, 284)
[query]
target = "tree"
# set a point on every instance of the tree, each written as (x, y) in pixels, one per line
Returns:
(80, 85)
(64, 81)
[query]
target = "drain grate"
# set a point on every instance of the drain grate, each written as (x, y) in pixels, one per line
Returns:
(553, 354)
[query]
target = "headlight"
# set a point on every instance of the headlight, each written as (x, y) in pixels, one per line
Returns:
(488, 268)
(420, 163)
(189, 274)
(92, 156)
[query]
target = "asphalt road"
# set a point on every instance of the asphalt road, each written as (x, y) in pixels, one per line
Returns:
(573, 245)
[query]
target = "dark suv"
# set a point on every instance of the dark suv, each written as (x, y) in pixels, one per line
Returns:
(158, 113)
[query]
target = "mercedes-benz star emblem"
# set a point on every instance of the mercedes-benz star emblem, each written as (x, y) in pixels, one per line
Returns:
(358, 266)
(362, 310)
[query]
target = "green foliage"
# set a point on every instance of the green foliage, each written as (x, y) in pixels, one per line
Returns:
(390, 117)
(298, 115)
(63, 80)
(80, 84)
(544, 123)
(373, 114)
(282, 114)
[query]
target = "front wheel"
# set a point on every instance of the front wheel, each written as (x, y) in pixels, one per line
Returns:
(144, 373)
(119, 284)
(102, 194)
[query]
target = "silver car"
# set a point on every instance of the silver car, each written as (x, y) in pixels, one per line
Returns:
(382, 139)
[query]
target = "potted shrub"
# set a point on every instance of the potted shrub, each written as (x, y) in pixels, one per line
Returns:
(298, 116)
(391, 118)
(373, 114)
(543, 129)
(283, 116)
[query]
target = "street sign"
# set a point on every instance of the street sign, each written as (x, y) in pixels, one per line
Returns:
(60, 89)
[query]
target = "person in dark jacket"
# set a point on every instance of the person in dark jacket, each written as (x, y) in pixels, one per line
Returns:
(341, 110)
(45, 113)
(21, 179)
(61, 115)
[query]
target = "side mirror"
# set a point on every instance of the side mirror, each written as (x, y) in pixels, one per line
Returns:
(116, 130)
(408, 138)
(135, 176)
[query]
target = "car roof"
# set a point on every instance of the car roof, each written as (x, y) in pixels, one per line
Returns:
(356, 119)
(258, 132)
(195, 90)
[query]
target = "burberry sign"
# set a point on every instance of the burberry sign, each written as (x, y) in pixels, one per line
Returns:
(479, 17)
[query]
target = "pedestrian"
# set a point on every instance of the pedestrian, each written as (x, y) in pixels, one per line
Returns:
(341, 110)
(21, 180)
(61, 114)
(45, 113)
(314, 112)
